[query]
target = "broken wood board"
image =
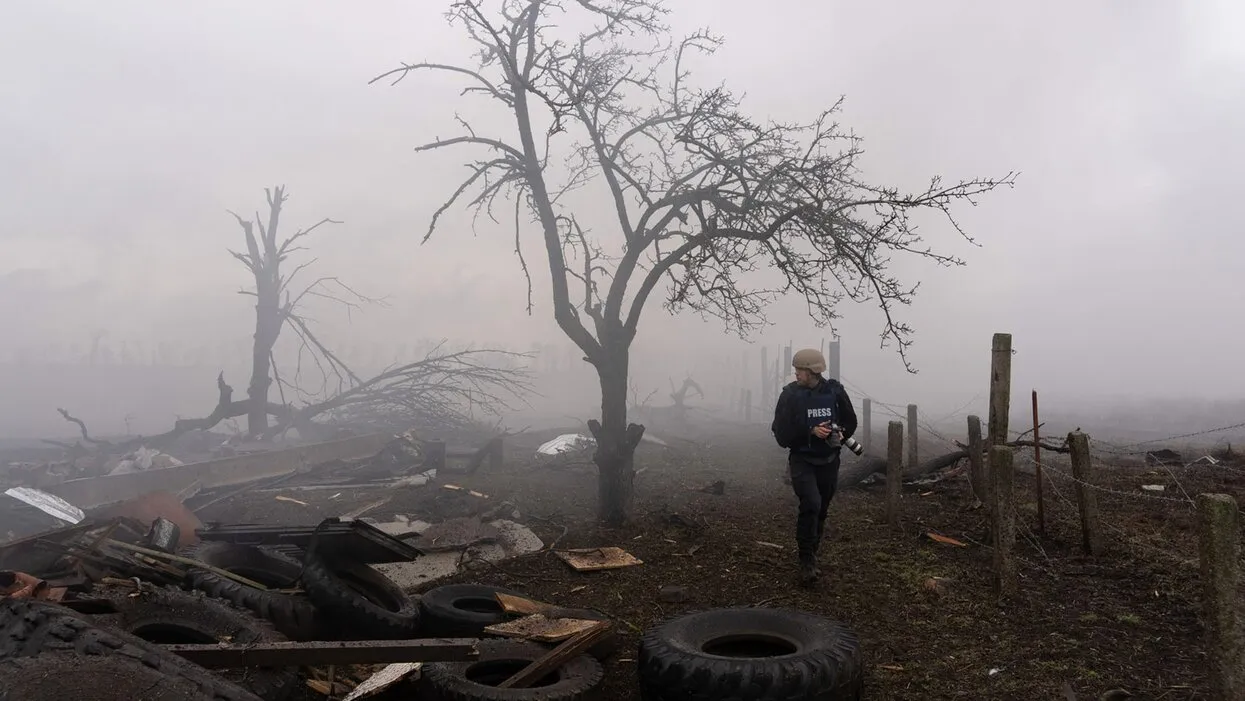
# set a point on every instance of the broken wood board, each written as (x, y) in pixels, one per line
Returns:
(541, 629)
(302, 654)
(385, 678)
(472, 492)
(518, 605)
(558, 656)
(595, 559)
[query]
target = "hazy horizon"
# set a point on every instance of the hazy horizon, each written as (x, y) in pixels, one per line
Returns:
(134, 127)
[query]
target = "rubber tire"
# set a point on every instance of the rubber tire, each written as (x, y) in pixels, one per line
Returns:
(199, 619)
(345, 594)
(451, 681)
(443, 616)
(825, 665)
(38, 638)
(294, 616)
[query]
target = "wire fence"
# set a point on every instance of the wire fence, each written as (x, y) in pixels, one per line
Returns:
(1145, 490)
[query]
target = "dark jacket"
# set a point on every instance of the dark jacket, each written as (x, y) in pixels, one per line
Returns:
(800, 409)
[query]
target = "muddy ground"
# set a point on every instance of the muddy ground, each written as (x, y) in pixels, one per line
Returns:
(1127, 619)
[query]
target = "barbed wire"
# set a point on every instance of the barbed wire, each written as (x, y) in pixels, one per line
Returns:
(1048, 467)
(1130, 448)
(1123, 535)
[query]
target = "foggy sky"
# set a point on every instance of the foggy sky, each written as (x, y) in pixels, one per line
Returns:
(131, 127)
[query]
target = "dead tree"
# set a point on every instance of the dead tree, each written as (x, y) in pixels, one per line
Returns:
(702, 194)
(275, 304)
(678, 396)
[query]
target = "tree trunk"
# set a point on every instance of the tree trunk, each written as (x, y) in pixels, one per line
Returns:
(267, 328)
(616, 442)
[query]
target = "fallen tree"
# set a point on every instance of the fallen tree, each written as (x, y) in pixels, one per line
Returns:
(853, 473)
(445, 390)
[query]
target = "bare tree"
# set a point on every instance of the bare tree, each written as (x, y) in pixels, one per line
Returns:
(275, 305)
(703, 195)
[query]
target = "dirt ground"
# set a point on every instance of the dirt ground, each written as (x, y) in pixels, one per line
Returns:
(1128, 619)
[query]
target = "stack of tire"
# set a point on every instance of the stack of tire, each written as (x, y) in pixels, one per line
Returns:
(346, 600)
(339, 600)
(49, 653)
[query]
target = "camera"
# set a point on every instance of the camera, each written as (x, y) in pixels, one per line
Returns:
(851, 443)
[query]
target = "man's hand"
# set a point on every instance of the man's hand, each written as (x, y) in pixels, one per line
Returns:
(822, 431)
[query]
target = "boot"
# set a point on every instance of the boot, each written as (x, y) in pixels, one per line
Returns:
(821, 529)
(808, 570)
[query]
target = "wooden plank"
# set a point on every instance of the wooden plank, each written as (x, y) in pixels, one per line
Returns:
(305, 654)
(556, 657)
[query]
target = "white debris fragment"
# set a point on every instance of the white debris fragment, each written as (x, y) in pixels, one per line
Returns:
(513, 539)
(145, 459)
(385, 678)
(49, 504)
(566, 443)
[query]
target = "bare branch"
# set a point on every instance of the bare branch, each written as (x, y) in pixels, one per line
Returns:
(707, 201)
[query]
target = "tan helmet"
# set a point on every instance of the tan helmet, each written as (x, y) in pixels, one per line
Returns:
(809, 359)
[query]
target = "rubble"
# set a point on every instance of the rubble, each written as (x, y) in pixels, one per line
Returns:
(340, 578)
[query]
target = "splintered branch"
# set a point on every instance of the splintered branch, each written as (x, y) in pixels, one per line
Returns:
(86, 436)
(226, 408)
(440, 390)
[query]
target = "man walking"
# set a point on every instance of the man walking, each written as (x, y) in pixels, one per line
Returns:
(803, 417)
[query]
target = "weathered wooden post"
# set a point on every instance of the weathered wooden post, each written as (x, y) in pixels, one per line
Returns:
(1004, 520)
(1086, 499)
(1000, 399)
(1037, 460)
(894, 471)
(1000, 388)
(1219, 550)
(866, 421)
(913, 436)
(976, 460)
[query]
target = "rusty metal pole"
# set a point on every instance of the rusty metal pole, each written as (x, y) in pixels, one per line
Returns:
(1037, 458)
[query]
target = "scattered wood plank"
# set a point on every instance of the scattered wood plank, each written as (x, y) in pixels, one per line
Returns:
(556, 657)
(302, 654)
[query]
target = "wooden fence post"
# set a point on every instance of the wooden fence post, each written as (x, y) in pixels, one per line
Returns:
(1000, 400)
(1004, 520)
(1000, 388)
(866, 423)
(1037, 459)
(1086, 499)
(913, 436)
(976, 460)
(894, 471)
(1218, 552)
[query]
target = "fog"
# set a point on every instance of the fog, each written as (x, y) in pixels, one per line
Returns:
(131, 128)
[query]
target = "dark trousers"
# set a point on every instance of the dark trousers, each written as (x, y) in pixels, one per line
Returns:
(814, 481)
